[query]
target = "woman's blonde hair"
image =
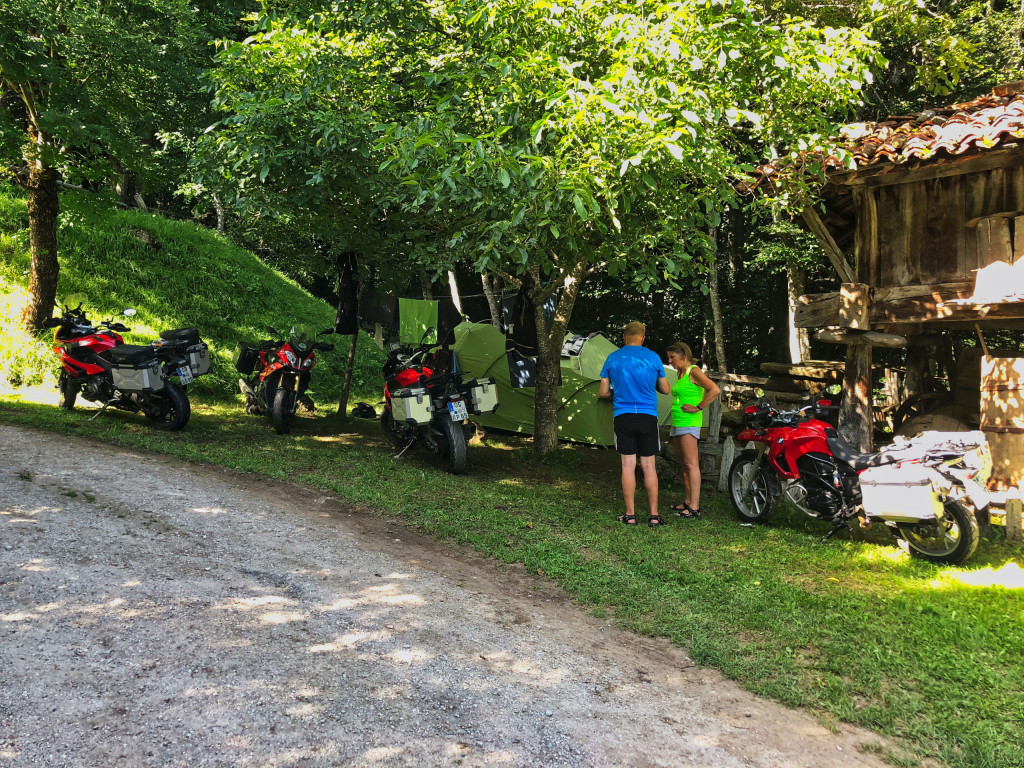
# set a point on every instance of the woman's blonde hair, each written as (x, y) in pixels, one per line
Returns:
(680, 349)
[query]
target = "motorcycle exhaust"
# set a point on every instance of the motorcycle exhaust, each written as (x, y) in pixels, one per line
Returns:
(246, 389)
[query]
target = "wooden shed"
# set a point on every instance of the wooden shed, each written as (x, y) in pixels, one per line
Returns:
(926, 233)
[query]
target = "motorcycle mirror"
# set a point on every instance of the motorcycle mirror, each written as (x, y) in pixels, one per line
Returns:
(271, 330)
(426, 333)
(129, 312)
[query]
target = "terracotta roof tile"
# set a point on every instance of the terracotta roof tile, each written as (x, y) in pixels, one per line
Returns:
(986, 122)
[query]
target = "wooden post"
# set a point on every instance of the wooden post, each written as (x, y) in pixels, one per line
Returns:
(917, 364)
(1014, 510)
(715, 421)
(728, 455)
(855, 415)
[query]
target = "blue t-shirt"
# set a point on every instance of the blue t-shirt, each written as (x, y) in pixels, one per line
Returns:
(634, 372)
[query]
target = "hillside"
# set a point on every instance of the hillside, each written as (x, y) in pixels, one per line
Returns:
(175, 274)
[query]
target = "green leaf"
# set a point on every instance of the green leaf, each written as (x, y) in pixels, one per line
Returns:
(581, 211)
(504, 178)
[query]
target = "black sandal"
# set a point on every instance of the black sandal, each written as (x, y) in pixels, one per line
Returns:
(627, 519)
(655, 521)
(685, 511)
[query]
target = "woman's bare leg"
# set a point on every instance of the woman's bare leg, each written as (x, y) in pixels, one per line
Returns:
(677, 446)
(691, 469)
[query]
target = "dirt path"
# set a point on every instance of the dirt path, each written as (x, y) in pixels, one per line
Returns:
(155, 613)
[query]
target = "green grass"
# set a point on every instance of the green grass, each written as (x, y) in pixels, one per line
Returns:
(194, 278)
(851, 630)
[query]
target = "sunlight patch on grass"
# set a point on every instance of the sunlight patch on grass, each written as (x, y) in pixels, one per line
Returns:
(1007, 576)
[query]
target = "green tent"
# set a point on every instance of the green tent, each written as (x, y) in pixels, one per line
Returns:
(582, 417)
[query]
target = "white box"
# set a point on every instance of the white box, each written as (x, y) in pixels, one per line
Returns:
(138, 377)
(411, 406)
(902, 493)
(482, 395)
(198, 358)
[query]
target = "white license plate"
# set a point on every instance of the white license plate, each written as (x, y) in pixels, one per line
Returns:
(458, 410)
(185, 374)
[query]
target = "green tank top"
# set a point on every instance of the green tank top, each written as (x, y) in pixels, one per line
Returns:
(685, 392)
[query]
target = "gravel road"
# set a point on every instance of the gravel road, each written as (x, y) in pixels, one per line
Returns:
(157, 613)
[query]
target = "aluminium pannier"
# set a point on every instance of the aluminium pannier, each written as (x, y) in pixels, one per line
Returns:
(411, 405)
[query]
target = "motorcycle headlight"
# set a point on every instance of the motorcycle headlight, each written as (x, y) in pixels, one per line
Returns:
(307, 363)
(291, 358)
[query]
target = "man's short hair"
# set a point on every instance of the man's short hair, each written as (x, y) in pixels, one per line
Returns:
(635, 330)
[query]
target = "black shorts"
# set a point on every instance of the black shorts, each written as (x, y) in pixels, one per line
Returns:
(637, 433)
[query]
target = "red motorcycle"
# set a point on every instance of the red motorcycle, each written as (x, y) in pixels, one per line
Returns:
(923, 490)
(99, 366)
(284, 372)
(427, 403)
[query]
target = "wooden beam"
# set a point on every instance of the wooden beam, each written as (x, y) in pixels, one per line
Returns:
(1014, 512)
(884, 174)
(833, 251)
(822, 370)
(871, 338)
(939, 291)
(855, 413)
(849, 307)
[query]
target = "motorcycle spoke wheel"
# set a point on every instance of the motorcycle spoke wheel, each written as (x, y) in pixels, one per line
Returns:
(750, 493)
(951, 540)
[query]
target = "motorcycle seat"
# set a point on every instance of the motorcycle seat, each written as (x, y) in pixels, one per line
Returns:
(189, 335)
(130, 354)
(847, 454)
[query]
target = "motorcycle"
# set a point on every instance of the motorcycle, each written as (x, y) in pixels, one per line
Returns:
(99, 366)
(427, 403)
(923, 489)
(284, 372)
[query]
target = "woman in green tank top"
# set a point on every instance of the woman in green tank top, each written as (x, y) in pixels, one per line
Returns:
(692, 392)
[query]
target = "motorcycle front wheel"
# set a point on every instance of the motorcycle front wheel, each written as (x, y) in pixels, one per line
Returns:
(951, 541)
(758, 502)
(68, 389)
(169, 410)
(450, 442)
(283, 412)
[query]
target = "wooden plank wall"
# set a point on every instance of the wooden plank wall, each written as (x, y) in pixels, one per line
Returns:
(937, 230)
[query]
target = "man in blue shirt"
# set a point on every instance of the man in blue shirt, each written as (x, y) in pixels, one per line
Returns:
(635, 375)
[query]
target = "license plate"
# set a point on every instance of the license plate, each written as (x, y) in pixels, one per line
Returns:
(185, 374)
(458, 410)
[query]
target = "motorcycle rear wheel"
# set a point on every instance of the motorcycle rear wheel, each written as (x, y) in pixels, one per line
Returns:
(952, 541)
(760, 502)
(283, 412)
(451, 444)
(68, 389)
(169, 410)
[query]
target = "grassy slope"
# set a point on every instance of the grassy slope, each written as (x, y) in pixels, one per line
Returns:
(195, 278)
(852, 629)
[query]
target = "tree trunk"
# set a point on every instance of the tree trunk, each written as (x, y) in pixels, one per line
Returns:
(426, 286)
(350, 365)
(549, 355)
(716, 308)
(492, 302)
(218, 206)
(454, 284)
(856, 417)
(127, 187)
(43, 209)
(799, 339)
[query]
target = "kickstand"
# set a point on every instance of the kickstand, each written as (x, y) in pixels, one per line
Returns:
(101, 410)
(407, 447)
(835, 529)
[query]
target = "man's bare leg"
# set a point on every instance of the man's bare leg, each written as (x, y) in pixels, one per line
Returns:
(650, 482)
(629, 482)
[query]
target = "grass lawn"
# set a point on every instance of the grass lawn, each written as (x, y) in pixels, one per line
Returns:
(852, 629)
